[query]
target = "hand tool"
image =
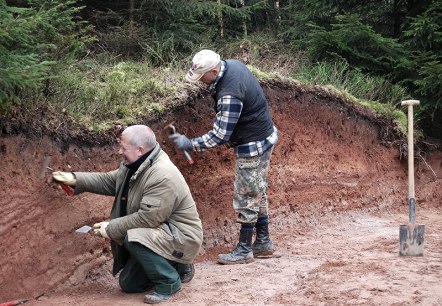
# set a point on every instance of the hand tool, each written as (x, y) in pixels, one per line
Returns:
(13, 303)
(45, 166)
(411, 236)
(69, 190)
(84, 229)
(172, 129)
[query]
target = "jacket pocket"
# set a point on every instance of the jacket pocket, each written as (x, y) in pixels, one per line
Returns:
(150, 212)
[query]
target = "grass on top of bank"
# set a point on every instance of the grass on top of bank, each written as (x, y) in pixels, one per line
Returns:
(104, 89)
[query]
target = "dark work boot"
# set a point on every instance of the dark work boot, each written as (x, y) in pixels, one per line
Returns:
(188, 273)
(243, 251)
(262, 246)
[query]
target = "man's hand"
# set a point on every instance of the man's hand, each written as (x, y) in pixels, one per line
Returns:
(100, 229)
(181, 141)
(67, 178)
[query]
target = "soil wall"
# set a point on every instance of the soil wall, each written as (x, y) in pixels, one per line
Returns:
(331, 158)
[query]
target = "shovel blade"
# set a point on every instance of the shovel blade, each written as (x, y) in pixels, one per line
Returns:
(411, 240)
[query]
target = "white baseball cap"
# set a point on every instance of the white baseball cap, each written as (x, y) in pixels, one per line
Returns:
(203, 61)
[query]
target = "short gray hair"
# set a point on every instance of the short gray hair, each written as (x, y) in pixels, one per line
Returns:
(140, 136)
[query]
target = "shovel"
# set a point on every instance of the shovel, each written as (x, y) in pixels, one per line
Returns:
(411, 235)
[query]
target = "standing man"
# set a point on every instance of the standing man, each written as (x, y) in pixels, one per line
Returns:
(243, 122)
(155, 229)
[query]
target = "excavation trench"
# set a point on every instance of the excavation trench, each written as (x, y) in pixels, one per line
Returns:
(332, 160)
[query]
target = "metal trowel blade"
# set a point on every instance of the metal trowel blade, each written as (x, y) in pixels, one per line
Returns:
(84, 229)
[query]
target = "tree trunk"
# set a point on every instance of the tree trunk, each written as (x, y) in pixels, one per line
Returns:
(277, 12)
(131, 17)
(220, 20)
(244, 23)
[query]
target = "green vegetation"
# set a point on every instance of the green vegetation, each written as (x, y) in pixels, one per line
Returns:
(120, 62)
(112, 91)
(32, 40)
(359, 84)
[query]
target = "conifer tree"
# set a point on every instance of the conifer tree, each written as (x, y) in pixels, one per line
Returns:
(32, 39)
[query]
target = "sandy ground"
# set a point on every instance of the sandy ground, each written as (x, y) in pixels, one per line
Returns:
(347, 259)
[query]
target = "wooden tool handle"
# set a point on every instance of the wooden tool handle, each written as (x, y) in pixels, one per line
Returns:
(410, 102)
(411, 200)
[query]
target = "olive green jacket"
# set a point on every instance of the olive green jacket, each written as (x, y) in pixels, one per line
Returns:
(161, 213)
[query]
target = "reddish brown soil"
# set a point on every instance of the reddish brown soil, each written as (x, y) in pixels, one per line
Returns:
(338, 193)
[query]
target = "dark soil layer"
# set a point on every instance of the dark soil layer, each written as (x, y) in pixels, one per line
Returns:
(331, 158)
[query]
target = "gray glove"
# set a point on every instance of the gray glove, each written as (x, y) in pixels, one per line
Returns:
(181, 141)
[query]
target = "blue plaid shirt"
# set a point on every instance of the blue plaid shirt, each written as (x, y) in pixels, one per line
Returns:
(228, 111)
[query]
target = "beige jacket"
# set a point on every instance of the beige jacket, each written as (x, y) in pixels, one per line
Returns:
(161, 213)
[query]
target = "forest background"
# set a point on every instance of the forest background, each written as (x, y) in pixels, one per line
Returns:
(114, 62)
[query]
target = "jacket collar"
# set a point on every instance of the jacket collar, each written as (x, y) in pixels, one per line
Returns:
(222, 70)
(148, 162)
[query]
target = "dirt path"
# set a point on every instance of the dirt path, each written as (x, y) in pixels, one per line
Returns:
(346, 259)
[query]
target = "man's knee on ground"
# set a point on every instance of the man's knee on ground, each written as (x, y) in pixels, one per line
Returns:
(128, 288)
(131, 287)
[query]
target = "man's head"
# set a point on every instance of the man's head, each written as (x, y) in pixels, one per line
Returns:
(135, 141)
(205, 67)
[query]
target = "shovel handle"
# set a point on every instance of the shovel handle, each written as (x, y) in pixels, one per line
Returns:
(411, 200)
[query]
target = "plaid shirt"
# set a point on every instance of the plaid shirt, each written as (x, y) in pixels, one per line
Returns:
(228, 112)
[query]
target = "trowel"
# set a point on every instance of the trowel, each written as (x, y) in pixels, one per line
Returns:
(84, 229)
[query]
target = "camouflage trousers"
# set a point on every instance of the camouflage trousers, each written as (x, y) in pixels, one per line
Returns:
(249, 195)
